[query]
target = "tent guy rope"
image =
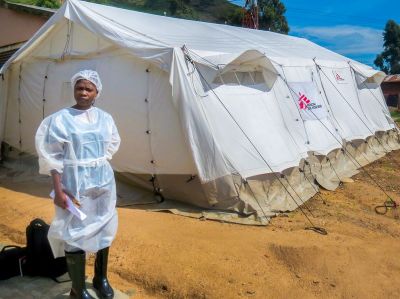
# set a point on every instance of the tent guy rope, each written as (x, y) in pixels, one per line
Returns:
(313, 227)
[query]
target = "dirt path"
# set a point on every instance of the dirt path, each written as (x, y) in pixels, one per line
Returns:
(164, 255)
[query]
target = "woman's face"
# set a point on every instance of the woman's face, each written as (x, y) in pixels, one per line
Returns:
(85, 93)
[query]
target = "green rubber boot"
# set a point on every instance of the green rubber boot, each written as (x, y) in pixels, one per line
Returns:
(100, 281)
(76, 269)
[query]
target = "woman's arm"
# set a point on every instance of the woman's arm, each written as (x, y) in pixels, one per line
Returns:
(49, 141)
(60, 198)
(114, 143)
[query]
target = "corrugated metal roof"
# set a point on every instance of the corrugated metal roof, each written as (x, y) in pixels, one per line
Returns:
(18, 26)
(4, 56)
(392, 78)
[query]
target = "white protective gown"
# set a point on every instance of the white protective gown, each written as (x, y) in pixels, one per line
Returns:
(78, 144)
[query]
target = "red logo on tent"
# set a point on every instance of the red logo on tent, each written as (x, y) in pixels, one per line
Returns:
(303, 101)
(338, 77)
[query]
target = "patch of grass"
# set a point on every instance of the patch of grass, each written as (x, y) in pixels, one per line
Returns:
(395, 115)
(30, 2)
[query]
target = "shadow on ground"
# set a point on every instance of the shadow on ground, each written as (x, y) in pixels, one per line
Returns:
(42, 288)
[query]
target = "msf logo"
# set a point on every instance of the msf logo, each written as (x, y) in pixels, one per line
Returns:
(339, 78)
(303, 101)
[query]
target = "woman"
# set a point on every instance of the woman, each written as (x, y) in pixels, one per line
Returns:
(74, 146)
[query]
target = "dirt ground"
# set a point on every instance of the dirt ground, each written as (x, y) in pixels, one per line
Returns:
(162, 255)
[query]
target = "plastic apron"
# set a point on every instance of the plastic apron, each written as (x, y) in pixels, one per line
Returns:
(80, 151)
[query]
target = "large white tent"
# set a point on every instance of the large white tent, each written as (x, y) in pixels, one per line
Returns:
(221, 117)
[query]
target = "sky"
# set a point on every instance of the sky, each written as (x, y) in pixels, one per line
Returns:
(352, 28)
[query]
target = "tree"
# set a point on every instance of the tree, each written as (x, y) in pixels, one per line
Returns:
(272, 16)
(173, 6)
(389, 60)
(48, 3)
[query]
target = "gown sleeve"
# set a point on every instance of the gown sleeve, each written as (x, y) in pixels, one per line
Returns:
(50, 141)
(114, 142)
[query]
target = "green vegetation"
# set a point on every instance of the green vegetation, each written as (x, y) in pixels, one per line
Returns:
(215, 11)
(30, 2)
(272, 16)
(42, 3)
(48, 3)
(395, 115)
(389, 60)
(218, 11)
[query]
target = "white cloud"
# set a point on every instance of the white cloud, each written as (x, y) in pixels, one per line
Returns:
(344, 39)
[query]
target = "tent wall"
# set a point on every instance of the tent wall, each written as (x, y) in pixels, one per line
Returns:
(315, 135)
(68, 38)
(374, 106)
(4, 81)
(137, 94)
(338, 85)
(268, 194)
(239, 146)
(11, 120)
(259, 142)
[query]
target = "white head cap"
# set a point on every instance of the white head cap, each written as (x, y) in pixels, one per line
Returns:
(89, 75)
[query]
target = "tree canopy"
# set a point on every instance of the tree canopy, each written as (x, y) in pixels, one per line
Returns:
(389, 60)
(48, 3)
(271, 12)
(272, 16)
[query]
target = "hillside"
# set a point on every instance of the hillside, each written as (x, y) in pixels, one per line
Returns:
(216, 11)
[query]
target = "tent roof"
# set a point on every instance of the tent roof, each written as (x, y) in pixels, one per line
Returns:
(154, 37)
(212, 37)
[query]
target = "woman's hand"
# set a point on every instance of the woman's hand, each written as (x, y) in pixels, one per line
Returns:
(72, 198)
(60, 199)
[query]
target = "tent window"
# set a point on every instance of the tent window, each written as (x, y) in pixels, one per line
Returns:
(240, 78)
